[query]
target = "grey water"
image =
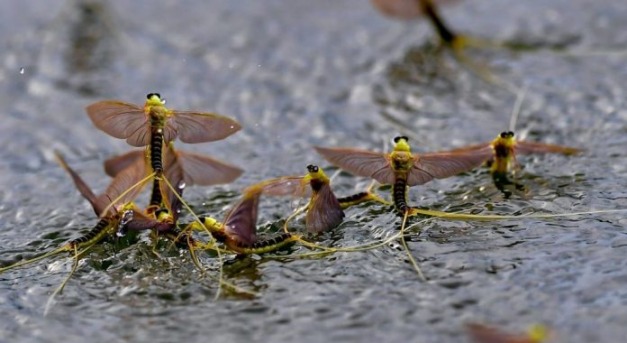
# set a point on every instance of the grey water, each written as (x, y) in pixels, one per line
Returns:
(300, 73)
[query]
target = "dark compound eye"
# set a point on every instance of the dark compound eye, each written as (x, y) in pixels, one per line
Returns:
(510, 133)
(398, 138)
(150, 95)
(503, 134)
(312, 168)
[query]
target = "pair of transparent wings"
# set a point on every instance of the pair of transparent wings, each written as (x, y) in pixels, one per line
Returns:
(323, 212)
(179, 166)
(131, 122)
(425, 167)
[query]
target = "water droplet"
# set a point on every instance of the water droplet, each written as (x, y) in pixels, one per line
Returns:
(22, 70)
(232, 127)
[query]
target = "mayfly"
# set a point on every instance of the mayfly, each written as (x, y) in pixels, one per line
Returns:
(194, 169)
(401, 168)
(504, 149)
(485, 334)
(155, 125)
(112, 216)
(324, 211)
(412, 9)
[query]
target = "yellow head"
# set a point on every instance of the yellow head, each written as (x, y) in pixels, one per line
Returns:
(505, 138)
(154, 99)
(401, 143)
(316, 173)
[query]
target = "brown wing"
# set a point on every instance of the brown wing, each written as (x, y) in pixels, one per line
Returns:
(360, 162)
(82, 187)
(484, 334)
(141, 222)
(116, 164)
(123, 181)
(445, 164)
(240, 223)
(524, 147)
(283, 186)
(173, 171)
(121, 120)
(196, 127)
(325, 212)
(468, 148)
(206, 171)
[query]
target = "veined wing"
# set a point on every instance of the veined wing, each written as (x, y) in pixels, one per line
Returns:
(524, 147)
(203, 170)
(198, 127)
(121, 120)
(445, 164)
(325, 211)
(282, 186)
(116, 164)
(240, 223)
(174, 174)
(80, 184)
(123, 181)
(360, 162)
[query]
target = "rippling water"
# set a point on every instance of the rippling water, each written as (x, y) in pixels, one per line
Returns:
(302, 73)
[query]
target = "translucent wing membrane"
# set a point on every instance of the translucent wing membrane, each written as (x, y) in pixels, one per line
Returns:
(324, 212)
(524, 147)
(283, 186)
(115, 165)
(205, 171)
(445, 164)
(196, 127)
(240, 223)
(82, 187)
(360, 162)
(125, 180)
(121, 120)
(197, 169)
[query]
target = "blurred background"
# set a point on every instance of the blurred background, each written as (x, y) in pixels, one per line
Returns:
(299, 73)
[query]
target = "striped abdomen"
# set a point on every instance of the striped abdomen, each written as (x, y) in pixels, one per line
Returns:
(156, 198)
(267, 245)
(399, 194)
(352, 199)
(156, 149)
(94, 235)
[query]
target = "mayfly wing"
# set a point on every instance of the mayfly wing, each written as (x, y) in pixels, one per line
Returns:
(240, 223)
(284, 186)
(121, 120)
(204, 170)
(445, 164)
(480, 333)
(198, 127)
(325, 211)
(175, 175)
(116, 164)
(524, 147)
(82, 187)
(360, 162)
(123, 181)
